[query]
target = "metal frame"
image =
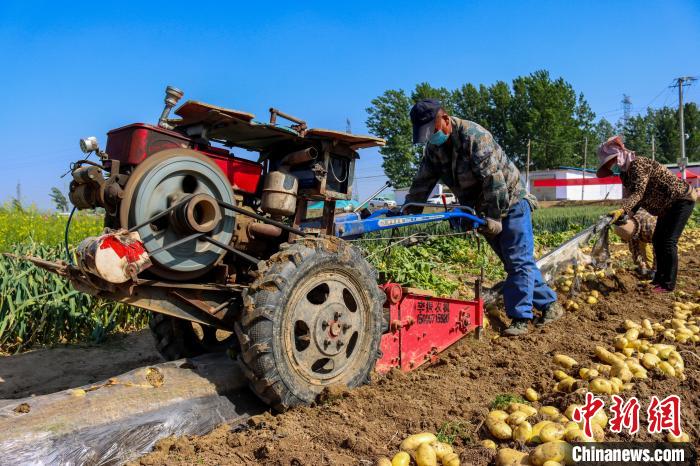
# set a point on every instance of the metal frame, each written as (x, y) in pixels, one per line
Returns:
(352, 225)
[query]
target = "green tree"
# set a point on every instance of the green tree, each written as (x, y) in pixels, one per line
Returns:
(59, 200)
(388, 119)
(602, 131)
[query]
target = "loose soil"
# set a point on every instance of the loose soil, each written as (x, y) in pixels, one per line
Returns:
(58, 368)
(357, 426)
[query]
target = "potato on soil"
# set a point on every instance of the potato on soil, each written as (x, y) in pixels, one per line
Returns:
(523, 432)
(558, 451)
(564, 361)
(426, 455)
(442, 449)
(549, 412)
(401, 459)
(551, 432)
(412, 442)
(509, 457)
(600, 386)
(488, 443)
(516, 418)
(500, 430)
(451, 460)
(498, 415)
(382, 461)
(684, 437)
(531, 395)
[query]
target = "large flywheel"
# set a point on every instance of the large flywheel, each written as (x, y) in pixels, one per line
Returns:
(192, 183)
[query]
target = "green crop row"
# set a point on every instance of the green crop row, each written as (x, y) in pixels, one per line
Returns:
(39, 308)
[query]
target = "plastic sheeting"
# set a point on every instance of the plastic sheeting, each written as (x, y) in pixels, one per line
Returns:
(122, 418)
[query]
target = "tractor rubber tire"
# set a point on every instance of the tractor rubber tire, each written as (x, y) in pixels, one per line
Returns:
(273, 356)
(176, 338)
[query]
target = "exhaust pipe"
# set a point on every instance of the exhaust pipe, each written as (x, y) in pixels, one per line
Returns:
(172, 97)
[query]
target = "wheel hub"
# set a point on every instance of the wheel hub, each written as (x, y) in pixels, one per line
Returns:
(330, 337)
(327, 325)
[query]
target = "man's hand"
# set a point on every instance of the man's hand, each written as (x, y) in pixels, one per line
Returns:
(616, 214)
(492, 228)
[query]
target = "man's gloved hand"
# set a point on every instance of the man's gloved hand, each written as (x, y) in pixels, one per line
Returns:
(616, 214)
(492, 228)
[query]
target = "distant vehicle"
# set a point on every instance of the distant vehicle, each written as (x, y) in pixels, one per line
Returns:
(381, 203)
(437, 199)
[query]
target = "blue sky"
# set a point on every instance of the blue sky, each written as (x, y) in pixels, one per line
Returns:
(82, 68)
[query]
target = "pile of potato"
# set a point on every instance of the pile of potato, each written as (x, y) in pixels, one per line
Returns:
(580, 277)
(424, 449)
(643, 347)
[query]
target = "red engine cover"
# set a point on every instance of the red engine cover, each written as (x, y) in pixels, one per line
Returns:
(423, 326)
(131, 144)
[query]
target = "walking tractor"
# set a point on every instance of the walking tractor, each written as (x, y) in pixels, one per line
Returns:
(231, 254)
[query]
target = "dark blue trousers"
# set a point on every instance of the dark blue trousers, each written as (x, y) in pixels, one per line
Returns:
(524, 287)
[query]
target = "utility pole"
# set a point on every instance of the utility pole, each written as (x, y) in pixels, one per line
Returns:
(585, 160)
(626, 108)
(527, 168)
(653, 147)
(683, 161)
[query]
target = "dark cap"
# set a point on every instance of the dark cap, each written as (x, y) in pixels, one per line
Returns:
(423, 115)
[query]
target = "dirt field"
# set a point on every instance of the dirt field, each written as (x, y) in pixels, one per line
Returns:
(356, 427)
(50, 370)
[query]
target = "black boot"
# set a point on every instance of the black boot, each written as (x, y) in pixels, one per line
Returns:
(553, 312)
(517, 327)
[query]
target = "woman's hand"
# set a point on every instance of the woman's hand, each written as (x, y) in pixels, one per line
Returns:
(616, 214)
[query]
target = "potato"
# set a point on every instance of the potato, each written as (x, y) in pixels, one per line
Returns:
(531, 395)
(600, 418)
(684, 437)
(558, 451)
(412, 442)
(566, 385)
(498, 415)
(451, 459)
(537, 428)
(425, 455)
(569, 412)
(591, 300)
(572, 435)
(383, 461)
(600, 386)
(516, 418)
(551, 432)
(488, 443)
(564, 361)
(632, 334)
(620, 342)
(523, 432)
(442, 449)
(500, 430)
(401, 459)
(549, 412)
(622, 372)
(606, 356)
(527, 409)
(561, 375)
(509, 457)
(650, 360)
(630, 324)
(666, 368)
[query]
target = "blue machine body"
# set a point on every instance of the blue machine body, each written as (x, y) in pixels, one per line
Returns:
(351, 225)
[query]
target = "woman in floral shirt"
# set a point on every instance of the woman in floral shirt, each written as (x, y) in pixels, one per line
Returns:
(651, 186)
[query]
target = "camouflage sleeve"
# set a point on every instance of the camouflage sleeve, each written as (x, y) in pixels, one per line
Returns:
(638, 184)
(424, 181)
(486, 155)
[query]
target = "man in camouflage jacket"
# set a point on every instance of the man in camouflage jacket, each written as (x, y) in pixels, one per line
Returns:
(469, 161)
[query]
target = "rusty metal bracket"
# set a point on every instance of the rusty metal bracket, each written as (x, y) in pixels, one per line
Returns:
(300, 126)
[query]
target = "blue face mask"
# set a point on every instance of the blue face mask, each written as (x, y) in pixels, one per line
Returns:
(438, 138)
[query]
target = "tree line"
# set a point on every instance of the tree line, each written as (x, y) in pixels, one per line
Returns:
(547, 112)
